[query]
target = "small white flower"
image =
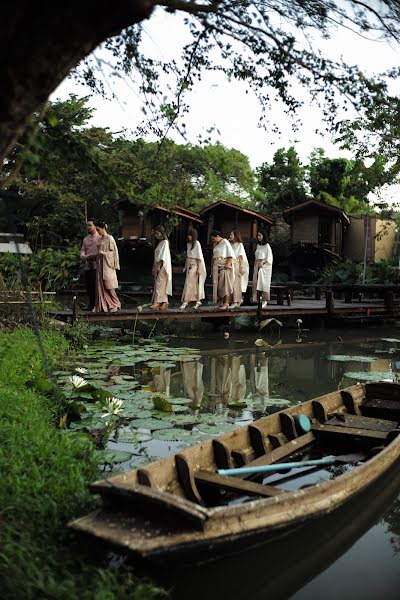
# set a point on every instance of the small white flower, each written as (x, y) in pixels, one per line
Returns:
(299, 321)
(78, 382)
(113, 406)
(139, 308)
(81, 370)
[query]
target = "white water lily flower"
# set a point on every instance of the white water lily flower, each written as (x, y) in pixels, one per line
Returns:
(81, 370)
(113, 406)
(139, 308)
(78, 382)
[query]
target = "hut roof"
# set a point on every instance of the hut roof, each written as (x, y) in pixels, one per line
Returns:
(236, 207)
(176, 209)
(309, 204)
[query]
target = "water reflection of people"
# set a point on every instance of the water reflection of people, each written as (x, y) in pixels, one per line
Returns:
(220, 381)
(238, 380)
(161, 380)
(192, 378)
(259, 376)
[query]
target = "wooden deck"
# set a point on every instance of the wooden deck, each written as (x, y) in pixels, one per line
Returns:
(298, 308)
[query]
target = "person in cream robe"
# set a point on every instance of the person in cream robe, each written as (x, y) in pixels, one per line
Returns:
(222, 270)
(162, 271)
(240, 269)
(195, 269)
(262, 268)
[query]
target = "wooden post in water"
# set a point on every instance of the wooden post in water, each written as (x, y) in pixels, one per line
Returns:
(259, 306)
(74, 309)
(330, 304)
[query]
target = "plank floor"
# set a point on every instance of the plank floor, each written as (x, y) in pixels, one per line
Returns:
(298, 307)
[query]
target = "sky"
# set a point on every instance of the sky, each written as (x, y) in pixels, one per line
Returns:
(216, 102)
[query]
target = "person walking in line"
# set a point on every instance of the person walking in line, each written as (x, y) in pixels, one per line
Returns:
(262, 268)
(88, 257)
(195, 269)
(107, 265)
(240, 269)
(162, 270)
(222, 270)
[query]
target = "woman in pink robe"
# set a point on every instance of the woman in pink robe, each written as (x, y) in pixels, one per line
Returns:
(107, 263)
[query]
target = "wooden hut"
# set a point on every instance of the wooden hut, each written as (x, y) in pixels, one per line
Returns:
(314, 223)
(137, 222)
(225, 216)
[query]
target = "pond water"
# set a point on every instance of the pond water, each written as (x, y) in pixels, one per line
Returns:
(207, 385)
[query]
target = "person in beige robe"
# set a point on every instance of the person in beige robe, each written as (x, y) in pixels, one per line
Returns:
(195, 269)
(240, 269)
(162, 271)
(222, 270)
(107, 264)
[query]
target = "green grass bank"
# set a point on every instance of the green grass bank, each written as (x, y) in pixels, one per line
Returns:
(44, 477)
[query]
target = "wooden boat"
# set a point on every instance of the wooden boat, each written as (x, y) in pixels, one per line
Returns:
(181, 508)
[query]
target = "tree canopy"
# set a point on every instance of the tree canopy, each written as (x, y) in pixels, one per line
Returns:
(260, 41)
(341, 182)
(77, 169)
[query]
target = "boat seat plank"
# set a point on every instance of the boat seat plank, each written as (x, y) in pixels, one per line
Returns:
(352, 400)
(283, 451)
(288, 426)
(222, 454)
(370, 423)
(323, 429)
(185, 476)
(237, 486)
(277, 439)
(133, 494)
(258, 439)
(388, 405)
(243, 457)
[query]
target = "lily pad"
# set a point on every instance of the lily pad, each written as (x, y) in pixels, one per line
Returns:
(237, 405)
(172, 435)
(277, 402)
(133, 437)
(347, 358)
(150, 424)
(161, 403)
(111, 457)
(154, 364)
(371, 375)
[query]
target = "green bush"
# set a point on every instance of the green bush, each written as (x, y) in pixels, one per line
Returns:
(44, 477)
(54, 270)
(349, 272)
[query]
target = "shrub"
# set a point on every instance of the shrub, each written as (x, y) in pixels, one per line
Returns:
(54, 270)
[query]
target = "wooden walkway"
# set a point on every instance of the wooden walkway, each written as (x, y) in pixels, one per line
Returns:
(298, 308)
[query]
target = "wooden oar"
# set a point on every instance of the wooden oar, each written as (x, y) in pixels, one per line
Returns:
(327, 460)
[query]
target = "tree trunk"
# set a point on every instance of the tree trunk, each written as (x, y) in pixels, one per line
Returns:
(41, 42)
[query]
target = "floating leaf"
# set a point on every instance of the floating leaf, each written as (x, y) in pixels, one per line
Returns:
(133, 437)
(243, 320)
(260, 342)
(150, 424)
(161, 403)
(268, 321)
(237, 405)
(346, 358)
(110, 457)
(277, 402)
(371, 375)
(391, 340)
(157, 364)
(173, 435)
